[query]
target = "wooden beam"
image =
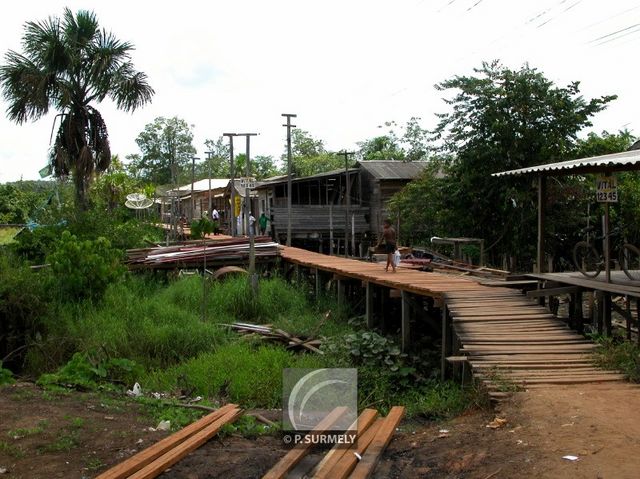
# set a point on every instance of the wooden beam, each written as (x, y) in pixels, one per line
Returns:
(542, 196)
(146, 456)
(406, 322)
(348, 462)
(369, 305)
(295, 455)
(536, 293)
(168, 459)
(323, 469)
(445, 340)
(380, 442)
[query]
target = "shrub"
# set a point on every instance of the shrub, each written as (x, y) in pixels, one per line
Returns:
(84, 269)
(24, 303)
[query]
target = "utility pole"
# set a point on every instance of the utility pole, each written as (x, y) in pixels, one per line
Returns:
(247, 204)
(348, 199)
(289, 126)
(193, 179)
(233, 185)
(209, 157)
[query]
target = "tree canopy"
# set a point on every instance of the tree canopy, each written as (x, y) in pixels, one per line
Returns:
(499, 119)
(69, 63)
(167, 148)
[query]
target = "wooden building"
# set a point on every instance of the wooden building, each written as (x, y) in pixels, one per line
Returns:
(324, 216)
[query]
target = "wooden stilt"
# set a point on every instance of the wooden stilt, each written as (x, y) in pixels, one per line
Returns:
(369, 305)
(445, 342)
(405, 327)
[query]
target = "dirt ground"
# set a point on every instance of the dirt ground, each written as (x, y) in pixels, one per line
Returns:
(43, 435)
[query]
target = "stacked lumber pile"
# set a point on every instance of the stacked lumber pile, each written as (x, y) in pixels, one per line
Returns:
(193, 254)
(152, 461)
(278, 336)
(357, 461)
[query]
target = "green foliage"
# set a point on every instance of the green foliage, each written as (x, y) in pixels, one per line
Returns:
(21, 432)
(240, 372)
(308, 155)
(618, 354)
(67, 64)
(200, 228)
(21, 200)
(438, 400)
(499, 119)
(6, 376)
(248, 427)
(603, 144)
(383, 147)
(86, 371)
(167, 149)
(368, 348)
(84, 269)
(217, 162)
(24, 303)
(167, 411)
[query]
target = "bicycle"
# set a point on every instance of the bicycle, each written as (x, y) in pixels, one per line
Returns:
(590, 262)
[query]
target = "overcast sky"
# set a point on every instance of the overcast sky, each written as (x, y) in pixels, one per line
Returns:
(343, 66)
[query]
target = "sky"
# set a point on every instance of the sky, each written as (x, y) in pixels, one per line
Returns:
(345, 67)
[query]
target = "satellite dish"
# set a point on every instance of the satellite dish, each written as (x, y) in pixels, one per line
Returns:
(138, 201)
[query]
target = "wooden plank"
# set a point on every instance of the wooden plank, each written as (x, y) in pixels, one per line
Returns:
(537, 293)
(144, 457)
(380, 442)
(172, 456)
(295, 455)
(329, 461)
(348, 461)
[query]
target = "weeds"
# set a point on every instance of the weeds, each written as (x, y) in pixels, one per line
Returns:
(21, 432)
(11, 450)
(618, 354)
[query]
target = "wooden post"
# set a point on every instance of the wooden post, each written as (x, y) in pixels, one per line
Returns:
(607, 313)
(296, 273)
(627, 304)
(599, 311)
(405, 326)
(578, 312)
(331, 230)
(607, 247)
(542, 193)
(369, 305)
(340, 291)
(445, 342)
(318, 283)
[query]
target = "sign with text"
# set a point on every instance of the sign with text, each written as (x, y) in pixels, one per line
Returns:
(607, 189)
(247, 182)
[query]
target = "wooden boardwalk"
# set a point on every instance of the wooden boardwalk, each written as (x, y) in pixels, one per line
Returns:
(508, 339)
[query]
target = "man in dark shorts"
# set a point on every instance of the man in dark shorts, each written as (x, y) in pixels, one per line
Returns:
(389, 236)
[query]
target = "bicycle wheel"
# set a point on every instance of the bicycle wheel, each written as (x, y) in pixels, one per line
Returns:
(630, 261)
(587, 259)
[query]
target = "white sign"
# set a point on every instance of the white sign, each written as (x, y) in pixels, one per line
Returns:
(247, 182)
(607, 189)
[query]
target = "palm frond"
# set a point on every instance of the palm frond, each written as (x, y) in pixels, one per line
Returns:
(25, 87)
(130, 89)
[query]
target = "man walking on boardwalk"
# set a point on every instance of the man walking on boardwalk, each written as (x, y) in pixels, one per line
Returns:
(389, 237)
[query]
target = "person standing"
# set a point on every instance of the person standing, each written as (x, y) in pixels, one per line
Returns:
(389, 237)
(262, 223)
(252, 224)
(215, 217)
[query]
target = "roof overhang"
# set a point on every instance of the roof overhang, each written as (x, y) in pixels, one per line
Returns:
(625, 161)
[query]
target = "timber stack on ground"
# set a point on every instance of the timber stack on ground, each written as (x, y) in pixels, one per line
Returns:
(152, 461)
(192, 254)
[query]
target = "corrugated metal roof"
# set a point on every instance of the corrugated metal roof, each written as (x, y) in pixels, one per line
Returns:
(203, 185)
(270, 182)
(627, 160)
(393, 170)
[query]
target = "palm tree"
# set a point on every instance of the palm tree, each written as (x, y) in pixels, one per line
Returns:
(67, 64)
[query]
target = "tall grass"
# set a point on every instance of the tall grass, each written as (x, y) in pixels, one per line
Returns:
(159, 326)
(241, 372)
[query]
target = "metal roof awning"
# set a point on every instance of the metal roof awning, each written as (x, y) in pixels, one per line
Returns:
(625, 161)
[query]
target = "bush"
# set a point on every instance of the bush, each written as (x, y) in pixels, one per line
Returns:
(86, 371)
(84, 269)
(618, 354)
(24, 303)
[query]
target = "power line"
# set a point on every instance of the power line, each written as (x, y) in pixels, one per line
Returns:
(614, 33)
(474, 5)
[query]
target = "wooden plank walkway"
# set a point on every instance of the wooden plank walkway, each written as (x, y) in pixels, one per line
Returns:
(508, 339)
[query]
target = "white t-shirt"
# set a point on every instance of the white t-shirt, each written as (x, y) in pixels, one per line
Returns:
(215, 215)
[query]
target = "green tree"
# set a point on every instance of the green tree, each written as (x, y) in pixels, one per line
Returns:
(500, 119)
(68, 64)
(217, 161)
(603, 144)
(167, 149)
(309, 156)
(261, 166)
(383, 147)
